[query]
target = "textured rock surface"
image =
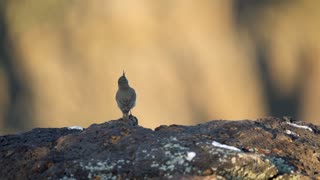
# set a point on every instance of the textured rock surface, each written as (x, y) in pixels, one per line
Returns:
(268, 148)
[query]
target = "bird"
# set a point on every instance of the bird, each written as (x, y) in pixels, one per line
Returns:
(125, 96)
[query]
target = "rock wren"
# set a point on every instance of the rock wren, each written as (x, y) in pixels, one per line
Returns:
(125, 97)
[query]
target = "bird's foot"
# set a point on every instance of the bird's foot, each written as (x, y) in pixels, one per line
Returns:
(133, 120)
(130, 119)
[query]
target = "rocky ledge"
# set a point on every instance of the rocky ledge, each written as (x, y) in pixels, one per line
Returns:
(267, 148)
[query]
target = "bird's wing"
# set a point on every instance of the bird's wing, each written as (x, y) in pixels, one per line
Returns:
(133, 97)
(118, 98)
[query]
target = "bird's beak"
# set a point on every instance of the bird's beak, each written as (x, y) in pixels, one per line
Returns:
(124, 74)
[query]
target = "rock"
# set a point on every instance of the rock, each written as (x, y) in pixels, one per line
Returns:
(268, 148)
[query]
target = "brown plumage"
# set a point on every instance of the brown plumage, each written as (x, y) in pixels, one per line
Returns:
(125, 97)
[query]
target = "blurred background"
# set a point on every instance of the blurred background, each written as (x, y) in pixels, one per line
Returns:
(189, 61)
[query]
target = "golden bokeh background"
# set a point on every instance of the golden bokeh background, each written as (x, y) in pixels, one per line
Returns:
(189, 61)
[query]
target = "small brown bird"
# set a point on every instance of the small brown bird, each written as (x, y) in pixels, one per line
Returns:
(125, 97)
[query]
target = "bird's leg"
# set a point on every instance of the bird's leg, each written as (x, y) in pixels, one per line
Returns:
(125, 116)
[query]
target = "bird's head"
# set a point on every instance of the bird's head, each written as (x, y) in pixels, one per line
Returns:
(123, 81)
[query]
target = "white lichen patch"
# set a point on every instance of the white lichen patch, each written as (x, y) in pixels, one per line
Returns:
(76, 127)
(233, 160)
(190, 156)
(102, 169)
(99, 166)
(174, 158)
(300, 126)
(67, 178)
(173, 139)
(188, 169)
(176, 155)
(154, 165)
(292, 133)
(217, 144)
(121, 161)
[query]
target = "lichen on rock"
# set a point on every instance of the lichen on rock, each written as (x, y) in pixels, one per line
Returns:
(262, 149)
